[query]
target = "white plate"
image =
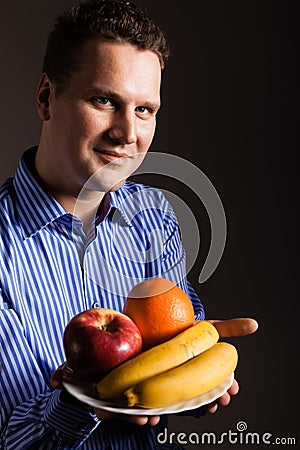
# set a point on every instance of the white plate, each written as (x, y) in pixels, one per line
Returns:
(87, 393)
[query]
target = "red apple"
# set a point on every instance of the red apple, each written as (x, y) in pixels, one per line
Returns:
(99, 339)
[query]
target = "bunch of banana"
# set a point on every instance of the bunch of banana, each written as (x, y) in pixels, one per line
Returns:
(186, 366)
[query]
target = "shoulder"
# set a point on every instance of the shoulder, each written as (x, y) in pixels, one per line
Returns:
(146, 194)
(6, 213)
(5, 188)
(6, 196)
(144, 202)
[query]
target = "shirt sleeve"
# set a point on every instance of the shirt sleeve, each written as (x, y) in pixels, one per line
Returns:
(31, 415)
(174, 260)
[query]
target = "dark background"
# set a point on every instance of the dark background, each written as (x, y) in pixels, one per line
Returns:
(230, 106)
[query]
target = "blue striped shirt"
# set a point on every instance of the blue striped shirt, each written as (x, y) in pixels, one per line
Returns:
(50, 271)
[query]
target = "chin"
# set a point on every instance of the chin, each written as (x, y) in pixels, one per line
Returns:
(117, 186)
(103, 181)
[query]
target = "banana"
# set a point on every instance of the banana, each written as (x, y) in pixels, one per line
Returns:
(194, 377)
(158, 359)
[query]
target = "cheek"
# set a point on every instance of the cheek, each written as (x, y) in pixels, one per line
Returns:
(146, 134)
(92, 126)
(66, 126)
(79, 124)
(81, 136)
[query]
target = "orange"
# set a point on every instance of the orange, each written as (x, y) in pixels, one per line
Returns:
(160, 309)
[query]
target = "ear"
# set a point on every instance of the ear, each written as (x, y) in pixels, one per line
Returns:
(44, 93)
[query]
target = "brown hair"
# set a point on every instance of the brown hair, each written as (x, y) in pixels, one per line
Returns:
(117, 20)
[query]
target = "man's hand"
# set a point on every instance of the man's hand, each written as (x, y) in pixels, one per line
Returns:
(235, 327)
(231, 328)
(64, 372)
(138, 420)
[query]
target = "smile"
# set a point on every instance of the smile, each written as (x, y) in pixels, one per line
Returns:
(112, 156)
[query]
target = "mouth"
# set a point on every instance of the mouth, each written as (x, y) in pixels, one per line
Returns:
(112, 156)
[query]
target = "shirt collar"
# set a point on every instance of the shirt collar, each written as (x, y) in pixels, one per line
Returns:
(120, 199)
(36, 208)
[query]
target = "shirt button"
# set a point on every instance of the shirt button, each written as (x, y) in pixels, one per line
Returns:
(96, 305)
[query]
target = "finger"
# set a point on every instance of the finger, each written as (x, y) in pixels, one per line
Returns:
(234, 388)
(224, 400)
(56, 378)
(138, 420)
(211, 408)
(141, 420)
(241, 326)
(153, 420)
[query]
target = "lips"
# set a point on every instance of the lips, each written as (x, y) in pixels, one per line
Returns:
(111, 155)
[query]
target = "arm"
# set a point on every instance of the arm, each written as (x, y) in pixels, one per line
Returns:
(173, 260)
(31, 413)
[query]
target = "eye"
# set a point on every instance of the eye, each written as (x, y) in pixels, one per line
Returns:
(101, 101)
(143, 110)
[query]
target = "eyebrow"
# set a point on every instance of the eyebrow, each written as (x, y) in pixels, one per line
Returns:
(95, 91)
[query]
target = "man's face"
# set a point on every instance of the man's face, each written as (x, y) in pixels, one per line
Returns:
(104, 117)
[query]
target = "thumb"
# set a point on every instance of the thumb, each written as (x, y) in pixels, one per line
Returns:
(57, 378)
(241, 326)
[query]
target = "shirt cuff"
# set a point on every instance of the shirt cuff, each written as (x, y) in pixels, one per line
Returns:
(71, 420)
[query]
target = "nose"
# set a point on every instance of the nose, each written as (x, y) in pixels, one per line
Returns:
(123, 129)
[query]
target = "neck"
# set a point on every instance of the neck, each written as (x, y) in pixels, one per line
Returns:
(86, 206)
(82, 203)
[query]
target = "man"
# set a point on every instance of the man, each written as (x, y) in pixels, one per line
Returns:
(68, 212)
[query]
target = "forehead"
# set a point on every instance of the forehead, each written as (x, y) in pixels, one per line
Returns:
(117, 64)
